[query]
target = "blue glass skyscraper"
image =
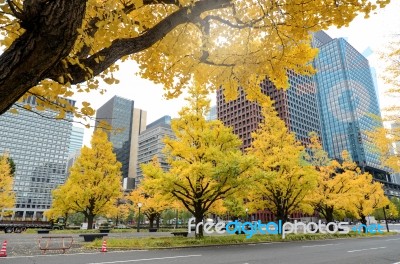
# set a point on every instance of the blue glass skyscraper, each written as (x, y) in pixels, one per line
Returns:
(348, 102)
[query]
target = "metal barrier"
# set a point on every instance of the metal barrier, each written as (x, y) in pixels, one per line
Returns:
(55, 243)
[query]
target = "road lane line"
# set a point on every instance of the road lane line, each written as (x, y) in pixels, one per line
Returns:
(137, 260)
(356, 250)
(320, 245)
(76, 254)
(393, 240)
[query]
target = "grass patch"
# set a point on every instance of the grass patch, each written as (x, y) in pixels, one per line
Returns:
(166, 242)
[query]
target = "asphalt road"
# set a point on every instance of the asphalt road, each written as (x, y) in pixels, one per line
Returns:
(374, 250)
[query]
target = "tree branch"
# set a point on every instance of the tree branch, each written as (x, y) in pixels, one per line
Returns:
(123, 47)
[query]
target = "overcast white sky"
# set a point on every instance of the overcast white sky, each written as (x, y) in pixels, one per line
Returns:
(362, 33)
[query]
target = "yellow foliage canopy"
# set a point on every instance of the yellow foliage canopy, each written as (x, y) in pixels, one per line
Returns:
(342, 187)
(153, 202)
(335, 181)
(227, 43)
(369, 196)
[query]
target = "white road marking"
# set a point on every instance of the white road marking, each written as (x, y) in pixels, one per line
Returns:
(137, 260)
(393, 240)
(351, 251)
(320, 245)
(74, 254)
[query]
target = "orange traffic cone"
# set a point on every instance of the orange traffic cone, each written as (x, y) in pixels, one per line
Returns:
(3, 251)
(104, 246)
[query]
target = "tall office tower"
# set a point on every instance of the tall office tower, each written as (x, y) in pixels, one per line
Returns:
(76, 141)
(240, 114)
(127, 123)
(297, 107)
(347, 99)
(39, 147)
(151, 143)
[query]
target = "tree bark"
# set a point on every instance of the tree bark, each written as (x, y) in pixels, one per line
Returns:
(151, 220)
(90, 218)
(199, 218)
(50, 33)
(364, 222)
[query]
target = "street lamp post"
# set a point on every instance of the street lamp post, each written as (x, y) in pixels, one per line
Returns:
(247, 216)
(176, 219)
(138, 222)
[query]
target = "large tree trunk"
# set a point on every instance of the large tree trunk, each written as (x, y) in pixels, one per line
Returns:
(199, 217)
(90, 218)
(364, 222)
(151, 220)
(50, 33)
(282, 215)
(329, 216)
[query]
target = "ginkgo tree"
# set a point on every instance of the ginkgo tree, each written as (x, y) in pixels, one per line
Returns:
(281, 183)
(206, 164)
(369, 196)
(50, 46)
(153, 202)
(94, 184)
(336, 181)
(7, 195)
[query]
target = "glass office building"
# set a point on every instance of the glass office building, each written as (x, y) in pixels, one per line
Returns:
(39, 147)
(347, 102)
(151, 144)
(76, 141)
(127, 123)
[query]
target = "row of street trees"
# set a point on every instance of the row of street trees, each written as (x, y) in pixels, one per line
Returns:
(209, 174)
